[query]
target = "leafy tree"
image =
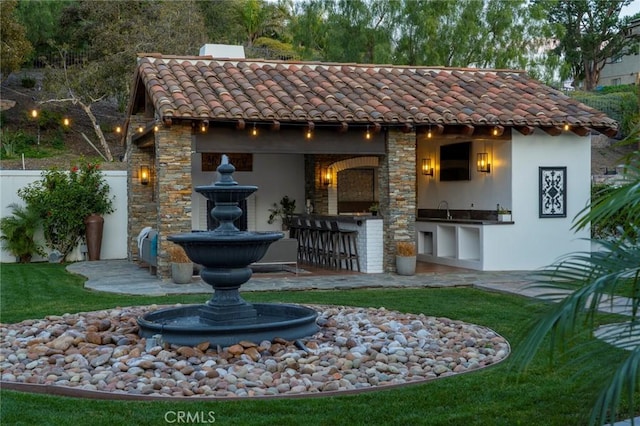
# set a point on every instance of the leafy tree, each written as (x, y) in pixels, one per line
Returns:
(309, 29)
(360, 30)
(262, 19)
(41, 21)
(593, 278)
(14, 46)
(115, 32)
(588, 33)
(223, 21)
(464, 33)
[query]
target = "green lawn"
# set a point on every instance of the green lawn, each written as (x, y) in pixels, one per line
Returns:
(549, 393)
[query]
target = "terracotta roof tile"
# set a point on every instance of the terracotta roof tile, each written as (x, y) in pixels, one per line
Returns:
(361, 94)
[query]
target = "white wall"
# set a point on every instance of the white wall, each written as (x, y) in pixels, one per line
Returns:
(547, 239)
(114, 241)
(275, 175)
(483, 191)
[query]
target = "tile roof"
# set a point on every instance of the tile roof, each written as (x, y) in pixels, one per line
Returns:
(258, 90)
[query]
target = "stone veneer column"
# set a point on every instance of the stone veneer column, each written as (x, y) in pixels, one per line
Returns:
(397, 183)
(174, 184)
(141, 200)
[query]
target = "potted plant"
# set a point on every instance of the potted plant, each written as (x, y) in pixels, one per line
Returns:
(284, 210)
(504, 214)
(181, 265)
(405, 258)
(374, 208)
(18, 233)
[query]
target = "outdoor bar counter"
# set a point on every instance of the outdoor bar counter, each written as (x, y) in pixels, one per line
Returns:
(369, 239)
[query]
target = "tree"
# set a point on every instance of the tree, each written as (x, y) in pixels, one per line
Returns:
(588, 32)
(14, 46)
(463, 33)
(360, 30)
(41, 20)
(114, 33)
(592, 278)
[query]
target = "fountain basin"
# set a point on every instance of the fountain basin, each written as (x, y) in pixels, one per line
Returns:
(183, 326)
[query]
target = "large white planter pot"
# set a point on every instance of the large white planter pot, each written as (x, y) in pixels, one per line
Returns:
(181, 273)
(406, 265)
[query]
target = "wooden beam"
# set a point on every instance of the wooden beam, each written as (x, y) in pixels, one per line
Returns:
(553, 131)
(580, 131)
(275, 126)
(406, 128)
(525, 130)
(343, 127)
(466, 129)
(240, 125)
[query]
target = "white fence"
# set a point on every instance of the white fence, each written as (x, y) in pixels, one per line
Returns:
(114, 239)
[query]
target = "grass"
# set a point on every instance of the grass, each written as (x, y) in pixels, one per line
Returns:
(560, 392)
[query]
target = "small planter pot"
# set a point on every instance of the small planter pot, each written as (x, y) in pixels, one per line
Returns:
(504, 217)
(181, 273)
(406, 265)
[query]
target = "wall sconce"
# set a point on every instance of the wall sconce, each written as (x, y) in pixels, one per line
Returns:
(145, 175)
(427, 170)
(327, 176)
(483, 162)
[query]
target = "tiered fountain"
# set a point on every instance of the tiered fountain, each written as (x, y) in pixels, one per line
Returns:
(225, 254)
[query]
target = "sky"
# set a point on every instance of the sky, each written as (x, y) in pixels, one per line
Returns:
(631, 9)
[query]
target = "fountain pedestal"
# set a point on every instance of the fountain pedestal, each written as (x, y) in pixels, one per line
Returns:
(225, 254)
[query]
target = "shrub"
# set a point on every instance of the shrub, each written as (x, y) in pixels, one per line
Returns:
(18, 232)
(405, 248)
(28, 82)
(620, 103)
(64, 199)
(177, 254)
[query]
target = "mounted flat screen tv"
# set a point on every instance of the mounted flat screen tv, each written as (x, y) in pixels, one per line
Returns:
(455, 161)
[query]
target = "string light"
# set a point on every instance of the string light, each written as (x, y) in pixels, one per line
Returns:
(367, 135)
(429, 134)
(566, 127)
(118, 129)
(66, 122)
(309, 134)
(254, 131)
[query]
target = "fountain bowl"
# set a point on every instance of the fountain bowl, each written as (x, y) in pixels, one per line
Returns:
(182, 325)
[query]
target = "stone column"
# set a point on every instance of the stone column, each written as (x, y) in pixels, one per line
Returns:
(174, 185)
(141, 199)
(397, 181)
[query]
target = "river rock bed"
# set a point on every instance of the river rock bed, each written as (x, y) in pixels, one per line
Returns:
(355, 349)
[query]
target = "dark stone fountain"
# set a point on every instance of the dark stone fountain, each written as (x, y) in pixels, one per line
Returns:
(225, 254)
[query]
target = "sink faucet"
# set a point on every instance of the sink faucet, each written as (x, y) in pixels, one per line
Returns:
(446, 204)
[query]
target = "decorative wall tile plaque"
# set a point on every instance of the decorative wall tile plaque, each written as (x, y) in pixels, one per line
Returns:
(553, 191)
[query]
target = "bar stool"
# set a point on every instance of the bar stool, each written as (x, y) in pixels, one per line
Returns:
(325, 251)
(305, 245)
(297, 232)
(346, 249)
